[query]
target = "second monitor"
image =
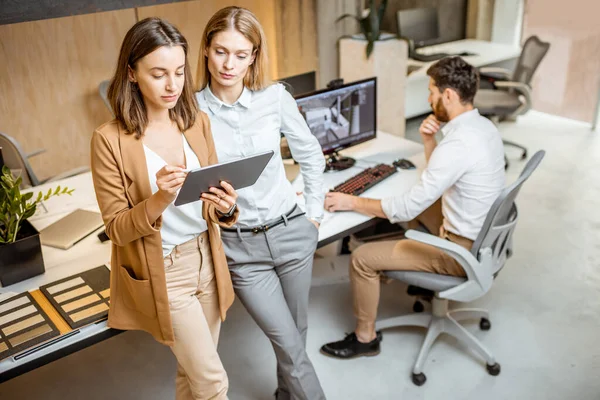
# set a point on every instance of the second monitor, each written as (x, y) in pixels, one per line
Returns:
(341, 117)
(420, 25)
(300, 84)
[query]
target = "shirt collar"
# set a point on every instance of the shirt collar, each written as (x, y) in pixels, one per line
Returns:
(457, 121)
(215, 104)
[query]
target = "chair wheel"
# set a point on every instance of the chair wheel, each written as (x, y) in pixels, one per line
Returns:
(419, 379)
(524, 155)
(485, 324)
(493, 370)
(418, 307)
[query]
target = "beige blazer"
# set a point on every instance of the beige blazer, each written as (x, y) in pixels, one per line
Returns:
(137, 283)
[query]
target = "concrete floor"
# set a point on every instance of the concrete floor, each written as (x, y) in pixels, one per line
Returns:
(545, 311)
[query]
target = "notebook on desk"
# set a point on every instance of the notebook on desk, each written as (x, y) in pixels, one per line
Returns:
(69, 230)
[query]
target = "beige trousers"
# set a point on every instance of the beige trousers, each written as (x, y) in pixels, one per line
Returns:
(370, 259)
(194, 306)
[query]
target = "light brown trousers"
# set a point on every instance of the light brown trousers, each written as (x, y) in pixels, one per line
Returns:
(370, 259)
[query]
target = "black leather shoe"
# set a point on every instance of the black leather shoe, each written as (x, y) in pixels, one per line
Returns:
(350, 347)
(281, 395)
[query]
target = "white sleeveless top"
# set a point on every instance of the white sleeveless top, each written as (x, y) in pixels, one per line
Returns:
(183, 223)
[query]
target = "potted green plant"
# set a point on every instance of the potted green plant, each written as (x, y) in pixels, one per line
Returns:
(370, 25)
(20, 247)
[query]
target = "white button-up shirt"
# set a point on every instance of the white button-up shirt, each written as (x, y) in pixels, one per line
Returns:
(466, 169)
(254, 124)
(180, 223)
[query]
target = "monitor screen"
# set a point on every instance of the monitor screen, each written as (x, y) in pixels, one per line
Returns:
(341, 117)
(300, 84)
(419, 24)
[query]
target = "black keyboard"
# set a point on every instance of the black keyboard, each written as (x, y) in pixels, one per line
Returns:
(366, 179)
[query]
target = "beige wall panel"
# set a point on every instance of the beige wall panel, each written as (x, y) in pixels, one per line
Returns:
(191, 18)
(297, 37)
(330, 31)
(49, 78)
(480, 17)
(566, 82)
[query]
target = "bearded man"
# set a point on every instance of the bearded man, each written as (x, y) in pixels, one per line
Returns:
(463, 177)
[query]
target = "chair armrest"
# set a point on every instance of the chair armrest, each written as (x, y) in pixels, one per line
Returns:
(502, 72)
(35, 153)
(523, 90)
(459, 253)
(479, 278)
(67, 174)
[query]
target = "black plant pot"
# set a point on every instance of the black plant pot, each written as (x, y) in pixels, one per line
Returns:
(22, 259)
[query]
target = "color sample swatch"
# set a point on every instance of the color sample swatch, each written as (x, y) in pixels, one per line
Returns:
(23, 324)
(81, 299)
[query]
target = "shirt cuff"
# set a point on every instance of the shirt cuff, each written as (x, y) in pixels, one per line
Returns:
(315, 212)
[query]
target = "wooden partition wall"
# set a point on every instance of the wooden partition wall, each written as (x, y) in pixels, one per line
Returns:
(50, 69)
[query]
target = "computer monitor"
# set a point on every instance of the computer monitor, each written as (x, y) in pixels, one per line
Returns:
(420, 25)
(341, 117)
(300, 84)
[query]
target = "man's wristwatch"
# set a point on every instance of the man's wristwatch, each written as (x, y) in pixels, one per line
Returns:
(228, 213)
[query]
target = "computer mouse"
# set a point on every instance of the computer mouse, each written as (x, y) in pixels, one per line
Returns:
(403, 163)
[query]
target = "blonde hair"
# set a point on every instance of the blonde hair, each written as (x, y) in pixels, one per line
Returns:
(245, 22)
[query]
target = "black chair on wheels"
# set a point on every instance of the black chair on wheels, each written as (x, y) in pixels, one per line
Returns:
(504, 95)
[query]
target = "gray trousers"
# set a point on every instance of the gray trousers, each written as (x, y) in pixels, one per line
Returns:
(271, 273)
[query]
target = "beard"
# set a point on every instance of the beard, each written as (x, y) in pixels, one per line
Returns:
(440, 112)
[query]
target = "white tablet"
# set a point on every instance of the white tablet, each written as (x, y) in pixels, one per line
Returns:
(239, 173)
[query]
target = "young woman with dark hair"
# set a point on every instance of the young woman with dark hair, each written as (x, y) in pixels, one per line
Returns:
(169, 275)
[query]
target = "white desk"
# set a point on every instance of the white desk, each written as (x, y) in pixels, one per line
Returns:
(385, 149)
(488, 54)
(85, 255)
(90, 253)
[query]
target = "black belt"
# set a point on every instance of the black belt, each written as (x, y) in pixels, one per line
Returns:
(267, 226)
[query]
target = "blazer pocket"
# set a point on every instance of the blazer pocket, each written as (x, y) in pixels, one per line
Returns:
(138, 296)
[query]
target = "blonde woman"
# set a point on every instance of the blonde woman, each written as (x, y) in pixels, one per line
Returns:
(270, 249)
(169, 275)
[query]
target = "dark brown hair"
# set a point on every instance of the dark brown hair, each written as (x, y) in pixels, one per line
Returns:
(125, 99)
(455, 73)
(245, 22)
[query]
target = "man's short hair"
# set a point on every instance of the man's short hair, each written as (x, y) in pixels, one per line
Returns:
(457, 74)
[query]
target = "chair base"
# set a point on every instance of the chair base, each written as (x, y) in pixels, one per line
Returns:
(441, 320)
(518, 146)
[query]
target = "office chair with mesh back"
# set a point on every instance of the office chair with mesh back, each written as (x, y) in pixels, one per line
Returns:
(18, 161)
(490, 250)
(103, 91)
(510, 93)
